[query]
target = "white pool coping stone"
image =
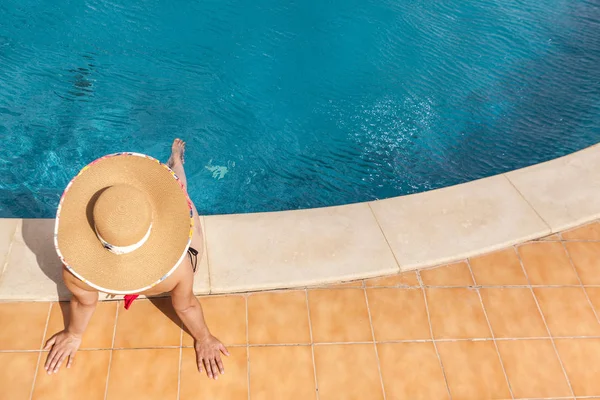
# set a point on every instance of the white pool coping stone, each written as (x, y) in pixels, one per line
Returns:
(300, 248)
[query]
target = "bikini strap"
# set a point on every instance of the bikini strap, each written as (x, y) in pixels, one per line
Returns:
(193, 253)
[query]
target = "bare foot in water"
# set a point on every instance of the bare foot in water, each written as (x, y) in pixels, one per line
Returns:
(177, 151)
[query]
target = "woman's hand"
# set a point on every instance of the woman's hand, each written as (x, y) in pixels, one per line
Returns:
(62, 345)
(208, 354)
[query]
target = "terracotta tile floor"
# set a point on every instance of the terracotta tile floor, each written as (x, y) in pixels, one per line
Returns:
(519, 323)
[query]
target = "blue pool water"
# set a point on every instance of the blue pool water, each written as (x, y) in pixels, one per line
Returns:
(293, 104)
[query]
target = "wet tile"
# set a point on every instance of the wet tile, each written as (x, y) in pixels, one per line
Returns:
(408, 279)
(499, 268)
(339, 315)
(99, 333)
(547, 263)
(564, 191)
(586, 259)
(533, 368)
(17, 374)
(456, 222)
(143, 374)
(456, 313)
(398, 314)
(278, 317)
(473, 370)
(225, 317)
(86, 379)
(23, 325)
(457, 274)
(148, 323)
(581, 359)
(305, 248)
(586, 232)
(567, 311)
(411, 371)
(282, 372)
(513, 313)
(232, 385)
(347, 372)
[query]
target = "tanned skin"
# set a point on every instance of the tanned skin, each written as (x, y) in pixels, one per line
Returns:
(63, 345)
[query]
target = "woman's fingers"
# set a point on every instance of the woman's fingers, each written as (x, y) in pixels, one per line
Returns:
(220, 364)
(71, 359)
(199, 362)
(59, 362)
(215, 370)
(224, 350)
(211, 361)
(50, 358)
(50, 343)
(207, 368)
(54, 361)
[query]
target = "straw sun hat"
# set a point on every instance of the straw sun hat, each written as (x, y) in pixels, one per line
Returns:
(124, 223)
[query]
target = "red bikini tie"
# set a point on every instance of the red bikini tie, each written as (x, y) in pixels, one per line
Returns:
(129, 298)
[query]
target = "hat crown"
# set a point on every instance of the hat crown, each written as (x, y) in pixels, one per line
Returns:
(122, 215)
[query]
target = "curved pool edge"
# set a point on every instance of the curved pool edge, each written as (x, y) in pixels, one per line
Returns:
(300, 248)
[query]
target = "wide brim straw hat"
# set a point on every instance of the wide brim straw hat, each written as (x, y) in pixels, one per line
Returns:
(124, 223)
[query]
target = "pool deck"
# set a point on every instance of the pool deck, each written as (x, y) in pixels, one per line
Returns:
(520, 323)
(304, 248)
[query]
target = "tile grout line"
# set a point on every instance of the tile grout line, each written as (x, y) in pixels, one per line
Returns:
(45, 334)
(491, 331)
(327, 286)
(247, 346)
(321, 344)
(482, 339)
(580, 281)
(40, 352)
(528, 203)
(554, 398)
(180, 361)
(112, 349)
(402, 286)
(374, 343)
(385, 237)
(545, 323)
(437, 353)
(312, 344)
(572, 240)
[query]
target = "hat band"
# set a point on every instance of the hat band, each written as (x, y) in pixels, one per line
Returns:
(123, 249)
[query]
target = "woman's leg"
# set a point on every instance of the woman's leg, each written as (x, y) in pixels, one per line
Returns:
(176, 164)
(176, 160)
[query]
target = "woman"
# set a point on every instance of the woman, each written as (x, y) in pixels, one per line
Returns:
(125, 225)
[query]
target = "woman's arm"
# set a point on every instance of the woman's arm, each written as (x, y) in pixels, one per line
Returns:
(189, 310)
(65, 344)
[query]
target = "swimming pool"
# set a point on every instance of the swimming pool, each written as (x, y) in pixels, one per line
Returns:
(293, 104)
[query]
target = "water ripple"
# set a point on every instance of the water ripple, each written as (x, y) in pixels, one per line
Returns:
(305, 103)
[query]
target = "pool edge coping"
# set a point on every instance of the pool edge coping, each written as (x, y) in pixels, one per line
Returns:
(541, 200)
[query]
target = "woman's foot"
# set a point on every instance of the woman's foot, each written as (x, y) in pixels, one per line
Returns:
(177, 151)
